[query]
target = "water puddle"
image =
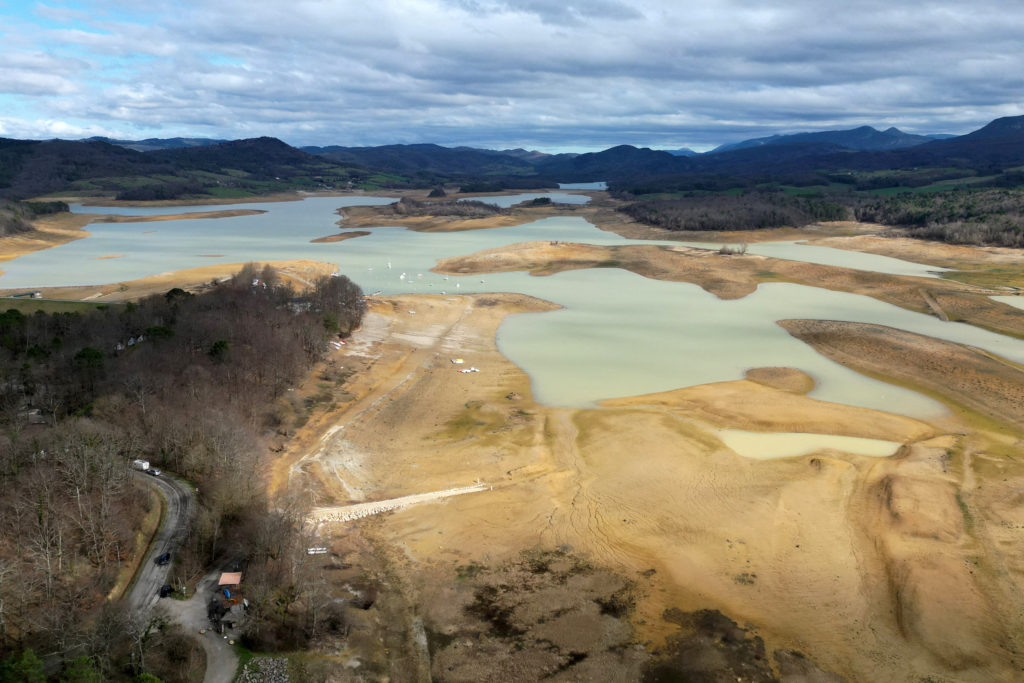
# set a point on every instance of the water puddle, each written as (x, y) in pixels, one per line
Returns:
(769, 446)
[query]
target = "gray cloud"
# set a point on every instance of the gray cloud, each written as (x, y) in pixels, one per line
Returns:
(538, 73)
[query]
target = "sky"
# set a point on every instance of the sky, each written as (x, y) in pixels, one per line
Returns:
(552, 75)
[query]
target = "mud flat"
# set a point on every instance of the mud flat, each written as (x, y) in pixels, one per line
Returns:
(875, 568)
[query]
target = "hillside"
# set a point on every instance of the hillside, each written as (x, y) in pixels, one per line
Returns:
(624, 161)
(428, 161)
(862, 159)
(232, 169)
(863, 138)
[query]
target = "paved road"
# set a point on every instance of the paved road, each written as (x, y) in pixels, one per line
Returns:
(221, 660)
(180, 501)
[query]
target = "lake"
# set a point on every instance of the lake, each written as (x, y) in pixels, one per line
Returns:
(618, 334)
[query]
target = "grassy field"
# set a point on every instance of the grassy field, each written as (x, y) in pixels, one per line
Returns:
(30, 306)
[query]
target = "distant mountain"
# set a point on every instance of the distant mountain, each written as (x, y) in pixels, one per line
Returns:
(766, 158)
(1006, 127)
(996, 146)
(153, 144)
(989, 151)
(530, 155)
(428, 160)
(682, 152)
(863, 139)
(518, 153)
(624, 161)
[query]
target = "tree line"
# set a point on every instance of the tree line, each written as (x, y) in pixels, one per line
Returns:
(192, 383)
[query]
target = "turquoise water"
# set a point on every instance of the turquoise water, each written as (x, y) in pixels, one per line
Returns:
(618, 334)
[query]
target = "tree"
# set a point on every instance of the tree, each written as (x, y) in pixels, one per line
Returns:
(24, 667)
(81, 670)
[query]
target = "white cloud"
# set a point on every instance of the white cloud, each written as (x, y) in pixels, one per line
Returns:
(491, 71)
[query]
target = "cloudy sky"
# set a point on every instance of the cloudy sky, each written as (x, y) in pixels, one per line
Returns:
(556, 75)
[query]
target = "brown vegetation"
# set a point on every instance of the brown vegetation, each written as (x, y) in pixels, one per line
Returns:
(191, 383)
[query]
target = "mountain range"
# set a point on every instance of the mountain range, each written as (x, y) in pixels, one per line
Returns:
(175, 167)
(863, 139)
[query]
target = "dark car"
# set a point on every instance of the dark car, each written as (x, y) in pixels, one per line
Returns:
(163, 559)
(166, 590)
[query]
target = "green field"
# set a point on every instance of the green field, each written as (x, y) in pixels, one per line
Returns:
(29, 306)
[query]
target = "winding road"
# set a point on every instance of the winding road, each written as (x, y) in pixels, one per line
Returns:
(180, 502)
(221, 660)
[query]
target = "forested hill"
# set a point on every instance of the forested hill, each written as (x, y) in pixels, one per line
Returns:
(428, 160)
(232, 169)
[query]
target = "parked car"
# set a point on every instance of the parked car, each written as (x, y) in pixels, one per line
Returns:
(166, 590)
(154, 471)
(163, 559)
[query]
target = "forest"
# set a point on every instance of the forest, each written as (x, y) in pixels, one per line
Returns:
(987, 217)
(196, 384)
(749, 211)
(980, 216)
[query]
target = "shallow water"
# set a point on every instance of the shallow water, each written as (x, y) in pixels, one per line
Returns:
(600, 185)
(1015, 301)
(762, 446)
(619, 334)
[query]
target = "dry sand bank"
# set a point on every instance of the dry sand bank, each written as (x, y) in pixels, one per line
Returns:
(376, 216)
(341, 237)
(880, 569)
(299, 273)
(984, 383)
(226, 213)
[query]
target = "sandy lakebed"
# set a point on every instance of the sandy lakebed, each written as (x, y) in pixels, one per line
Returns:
(872, 568)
